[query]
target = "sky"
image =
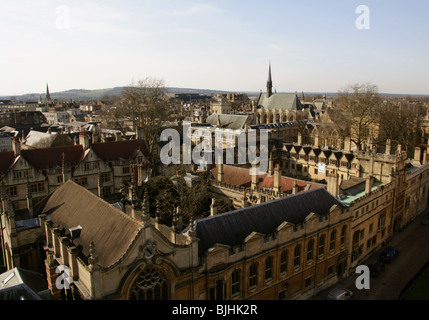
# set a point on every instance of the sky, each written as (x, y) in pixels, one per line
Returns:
(312, 45)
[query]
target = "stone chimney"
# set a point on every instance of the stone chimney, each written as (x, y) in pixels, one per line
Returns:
(368, 184)
(255, 178)
(332, 184)
(84, 140)
(347, 144)
(213, 208)
(388, 147)
(245, 204)
(295, 187)
(417, 156)
(277, 179)
(270, 165)
(220, 172)
(16, 146)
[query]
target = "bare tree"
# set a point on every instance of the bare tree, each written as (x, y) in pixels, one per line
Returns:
(400, 122)
(355, 112)
(143, 104)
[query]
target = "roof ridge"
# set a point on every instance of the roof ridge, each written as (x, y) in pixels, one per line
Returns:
(105, 203)
(301, 194)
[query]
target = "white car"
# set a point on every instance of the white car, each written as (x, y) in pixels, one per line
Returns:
(340, 294)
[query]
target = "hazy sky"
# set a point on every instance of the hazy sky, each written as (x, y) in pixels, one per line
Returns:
(226, 45)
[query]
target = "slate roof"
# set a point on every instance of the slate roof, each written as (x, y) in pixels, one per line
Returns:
(285, 101)
(229, 121)
(38, 139)
(233, 227)
(22, 284)
(111, 230)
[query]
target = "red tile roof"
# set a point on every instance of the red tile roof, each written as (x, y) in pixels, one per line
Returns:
(52, 157)
(125, 149)
(241, 177)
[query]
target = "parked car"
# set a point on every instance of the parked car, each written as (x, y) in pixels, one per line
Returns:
(340, 294)
(389, 254)
(376, 268)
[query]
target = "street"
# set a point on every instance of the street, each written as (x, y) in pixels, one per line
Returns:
(413, 247)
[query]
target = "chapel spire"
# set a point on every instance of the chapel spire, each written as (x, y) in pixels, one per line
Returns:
(48, 99)
(269, 82)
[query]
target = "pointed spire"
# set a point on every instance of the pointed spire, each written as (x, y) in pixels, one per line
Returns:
(192, 232)
(48, 95)
(269, 82)
(177, 220)
(93, 257)
(146, 207)
(158, 210)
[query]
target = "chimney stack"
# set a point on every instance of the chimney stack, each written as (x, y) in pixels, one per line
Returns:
(347, 144)
(368, 184)
(213, 208)
(332, 184)
(220, 172)
(295, 187)
(255, 178)
(84, 140)
(277, 179)
(16, 146)
(417, 156)
(388, 146)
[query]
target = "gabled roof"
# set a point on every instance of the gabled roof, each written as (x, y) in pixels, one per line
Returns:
(39, 139)
(115, 150)
(315, 151)
(229, 121)
(111, 230)
(348, 156)
(53, 157)
(233, 227)
(285, 101)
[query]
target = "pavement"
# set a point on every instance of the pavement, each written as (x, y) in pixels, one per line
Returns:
(412, 244)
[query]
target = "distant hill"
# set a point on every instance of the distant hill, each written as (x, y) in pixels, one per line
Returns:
(83, 94)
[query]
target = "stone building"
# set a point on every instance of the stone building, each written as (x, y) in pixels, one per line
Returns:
(288, 248)
(300, 248)
(28, 177)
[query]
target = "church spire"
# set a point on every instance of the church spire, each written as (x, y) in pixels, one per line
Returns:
(48, 96)
(269, 82)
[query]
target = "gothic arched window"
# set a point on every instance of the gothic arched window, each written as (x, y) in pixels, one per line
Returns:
(150, 284)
